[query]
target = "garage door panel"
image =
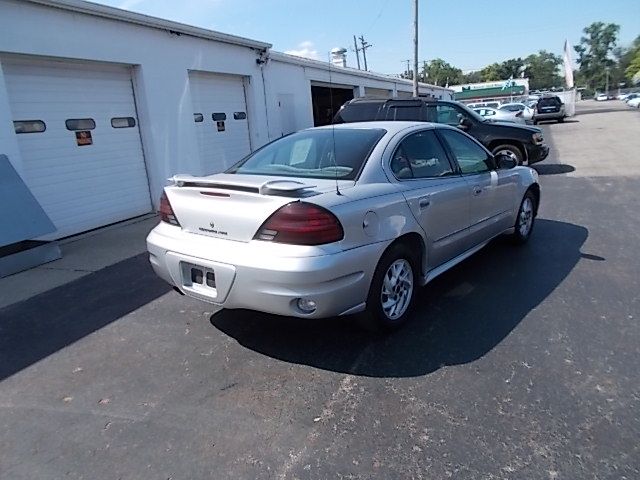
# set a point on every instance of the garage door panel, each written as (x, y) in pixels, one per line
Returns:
(80, 187)
(218, 93)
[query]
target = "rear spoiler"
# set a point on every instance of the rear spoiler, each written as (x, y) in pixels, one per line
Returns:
(270, 187)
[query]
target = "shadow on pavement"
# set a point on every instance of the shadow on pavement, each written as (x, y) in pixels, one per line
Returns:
(42, 325)
(553, 168)
(458, 318)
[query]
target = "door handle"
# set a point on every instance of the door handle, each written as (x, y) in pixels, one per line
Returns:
(424, 202)
(477, 190)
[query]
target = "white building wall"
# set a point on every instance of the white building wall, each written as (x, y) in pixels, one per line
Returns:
(161, 63)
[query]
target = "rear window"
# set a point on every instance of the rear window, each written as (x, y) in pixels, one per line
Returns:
(549, 101)
(358, 112)
(325, 153)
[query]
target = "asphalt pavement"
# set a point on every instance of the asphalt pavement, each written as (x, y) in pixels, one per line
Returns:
(520, 363)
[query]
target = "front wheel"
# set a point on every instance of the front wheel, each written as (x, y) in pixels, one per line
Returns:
(510, 150)
(392, 291)
(525, 219)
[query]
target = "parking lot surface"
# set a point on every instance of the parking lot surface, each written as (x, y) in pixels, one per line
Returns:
(520, 363)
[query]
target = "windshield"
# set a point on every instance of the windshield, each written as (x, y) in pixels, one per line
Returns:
(322, 153)
(473, 114)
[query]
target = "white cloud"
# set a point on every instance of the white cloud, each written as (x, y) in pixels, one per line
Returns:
(305, 49)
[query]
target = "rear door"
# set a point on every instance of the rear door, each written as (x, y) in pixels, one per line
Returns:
(436, 193)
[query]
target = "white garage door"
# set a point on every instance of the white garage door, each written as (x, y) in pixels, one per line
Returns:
(220, 114)
(87, 167)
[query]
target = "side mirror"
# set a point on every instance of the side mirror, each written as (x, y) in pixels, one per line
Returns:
(465, 122)
(505, 162)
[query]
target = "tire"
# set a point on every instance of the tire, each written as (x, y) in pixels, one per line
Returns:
(561, 120)
(382, 314)
(511, 150)
(525, 219)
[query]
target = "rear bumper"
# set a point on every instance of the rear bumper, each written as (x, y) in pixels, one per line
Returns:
(537, 153)
(258, 276)
(538, 117)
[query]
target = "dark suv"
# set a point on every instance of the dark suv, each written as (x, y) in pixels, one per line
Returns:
(523, 144)
(549, 107)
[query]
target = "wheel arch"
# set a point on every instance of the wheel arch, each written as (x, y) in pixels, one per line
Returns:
(535, 189)
(414, 242)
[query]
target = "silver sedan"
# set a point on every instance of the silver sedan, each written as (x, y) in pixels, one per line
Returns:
(339, 220)
(496, 115)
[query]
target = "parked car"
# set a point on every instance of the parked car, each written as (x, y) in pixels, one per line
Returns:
(527, 112)
(524, 143)
(499, 115)
(631, 96)
(634, 102)
(484, 104)
(549, 107)
(602, 97)
(340, 219)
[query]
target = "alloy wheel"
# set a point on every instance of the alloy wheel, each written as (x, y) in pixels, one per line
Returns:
(525, 217)
(397, 289)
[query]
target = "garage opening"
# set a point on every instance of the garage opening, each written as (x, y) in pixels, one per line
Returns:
(327, 101)
(77, 130)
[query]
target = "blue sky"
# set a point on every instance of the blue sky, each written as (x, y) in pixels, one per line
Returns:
(467, 33)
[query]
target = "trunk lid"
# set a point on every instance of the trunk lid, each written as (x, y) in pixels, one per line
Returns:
(233, 207)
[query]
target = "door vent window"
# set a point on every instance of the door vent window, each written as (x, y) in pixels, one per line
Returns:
(239, 115)
(29, 126)
(80, 124)
(123, 122)
(219, 117)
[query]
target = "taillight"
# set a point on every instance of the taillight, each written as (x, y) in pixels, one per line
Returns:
(301, 223)
(166, 212)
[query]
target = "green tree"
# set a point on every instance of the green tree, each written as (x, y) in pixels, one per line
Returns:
(440, 72)
(633, 70)
(594, 50)
(491, 73)
(627, 61)
(472, 77)
(542, 70)
(511, 68)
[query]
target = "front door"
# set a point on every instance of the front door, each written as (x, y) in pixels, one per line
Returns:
(436, 194)
(486, 211)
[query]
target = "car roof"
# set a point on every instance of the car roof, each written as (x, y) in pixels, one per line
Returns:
(391, 126)
(396, 100)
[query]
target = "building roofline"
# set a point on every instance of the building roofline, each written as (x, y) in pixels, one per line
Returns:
(103, 11)
(296, 60)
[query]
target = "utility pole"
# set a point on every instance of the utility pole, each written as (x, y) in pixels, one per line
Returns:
(355, 45)
(363, 47)
(607, 89)
(415, 48)
(408, 68)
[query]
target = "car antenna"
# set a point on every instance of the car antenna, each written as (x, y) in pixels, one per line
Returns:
(333, 128)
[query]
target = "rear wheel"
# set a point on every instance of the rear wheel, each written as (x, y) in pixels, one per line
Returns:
(392, 290)
(525, 219)
(561, 120)
(510, 150)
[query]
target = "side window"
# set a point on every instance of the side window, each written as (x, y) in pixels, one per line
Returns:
(410, 113)
(449, 115)
(470, 156)
(420, 155)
